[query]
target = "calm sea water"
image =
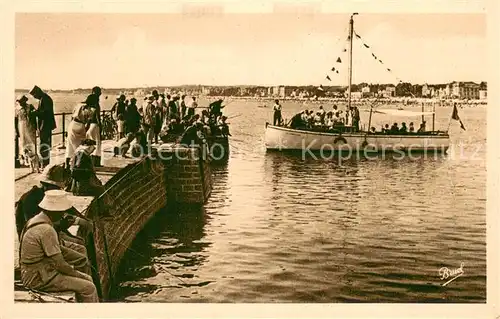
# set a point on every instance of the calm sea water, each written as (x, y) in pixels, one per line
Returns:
(283, 228)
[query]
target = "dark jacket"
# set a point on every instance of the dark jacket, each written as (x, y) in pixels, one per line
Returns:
(45, 114)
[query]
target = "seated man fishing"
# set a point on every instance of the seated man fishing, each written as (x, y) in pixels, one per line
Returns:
(53, 177)
(41, 257)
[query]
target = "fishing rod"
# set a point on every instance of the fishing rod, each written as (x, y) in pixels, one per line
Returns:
(38, 293)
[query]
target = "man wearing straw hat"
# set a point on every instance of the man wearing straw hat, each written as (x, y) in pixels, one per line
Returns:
(53, 177)
(43, 266)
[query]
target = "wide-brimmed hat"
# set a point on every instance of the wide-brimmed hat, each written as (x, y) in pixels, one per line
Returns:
(55, 201)
(54, 175)
(21, 98)
(35, 89)
(121, 97)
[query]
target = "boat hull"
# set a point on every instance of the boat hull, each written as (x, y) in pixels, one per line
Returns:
(281, 139)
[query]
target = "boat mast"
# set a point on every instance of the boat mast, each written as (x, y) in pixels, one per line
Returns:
(351, 31)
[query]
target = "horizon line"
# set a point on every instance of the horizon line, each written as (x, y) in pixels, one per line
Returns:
(239, 85)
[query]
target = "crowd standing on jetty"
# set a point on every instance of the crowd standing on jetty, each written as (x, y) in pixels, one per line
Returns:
(51, 259)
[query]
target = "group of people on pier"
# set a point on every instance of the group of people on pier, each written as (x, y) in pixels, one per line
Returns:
(51, 259)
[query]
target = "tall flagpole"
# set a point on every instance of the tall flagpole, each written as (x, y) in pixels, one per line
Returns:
(351, 31)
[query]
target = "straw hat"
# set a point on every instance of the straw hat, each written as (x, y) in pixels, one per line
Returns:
(53, 174)
(55, 201)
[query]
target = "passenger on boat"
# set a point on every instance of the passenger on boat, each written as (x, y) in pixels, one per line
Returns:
(317, 119)
(394, 129)
(322, 113)
(411, 128)
(277, 118)
(310, 119)
(355, 118)
(386, 129)
(305, 115)
(422, 127)
(403, 128)
(329, 120)
(297, 121)
(373, 130)
(41, 256)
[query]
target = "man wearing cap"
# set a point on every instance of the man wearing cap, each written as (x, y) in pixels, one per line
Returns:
(46, 122)
(43, 265)
(53, 177)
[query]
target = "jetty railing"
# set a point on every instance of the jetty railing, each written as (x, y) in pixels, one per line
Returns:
(62, 122)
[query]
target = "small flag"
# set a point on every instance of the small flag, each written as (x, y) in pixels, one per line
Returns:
(348, 37)
(357, 36)
(337, 71)
(339, 60)
(380, 61)
(455, 116)
(374, 56)
(344, 50)
(366, 46)
(388, 69)
(328, 78)
(333, 69)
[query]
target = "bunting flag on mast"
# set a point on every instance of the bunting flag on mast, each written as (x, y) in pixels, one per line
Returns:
(333, 69)
(374, 56)
(337, 71)
(366, 45)
(357, 36)
(345, 50)
(328, 78)
(388, 69)
(455, 116)
(339, 60)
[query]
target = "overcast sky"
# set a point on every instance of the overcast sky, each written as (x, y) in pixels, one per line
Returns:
(131, 50)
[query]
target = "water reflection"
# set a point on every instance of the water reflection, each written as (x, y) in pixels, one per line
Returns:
(168, 250)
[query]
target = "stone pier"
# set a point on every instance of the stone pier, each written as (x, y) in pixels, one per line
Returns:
(136, 190)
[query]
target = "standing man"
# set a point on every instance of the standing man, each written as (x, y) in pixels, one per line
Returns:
(94, 131)
(277, 113)
(43, 266)
(355, 118)
(46, 122)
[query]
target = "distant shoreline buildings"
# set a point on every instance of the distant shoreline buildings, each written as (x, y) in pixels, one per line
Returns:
(455, 90)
